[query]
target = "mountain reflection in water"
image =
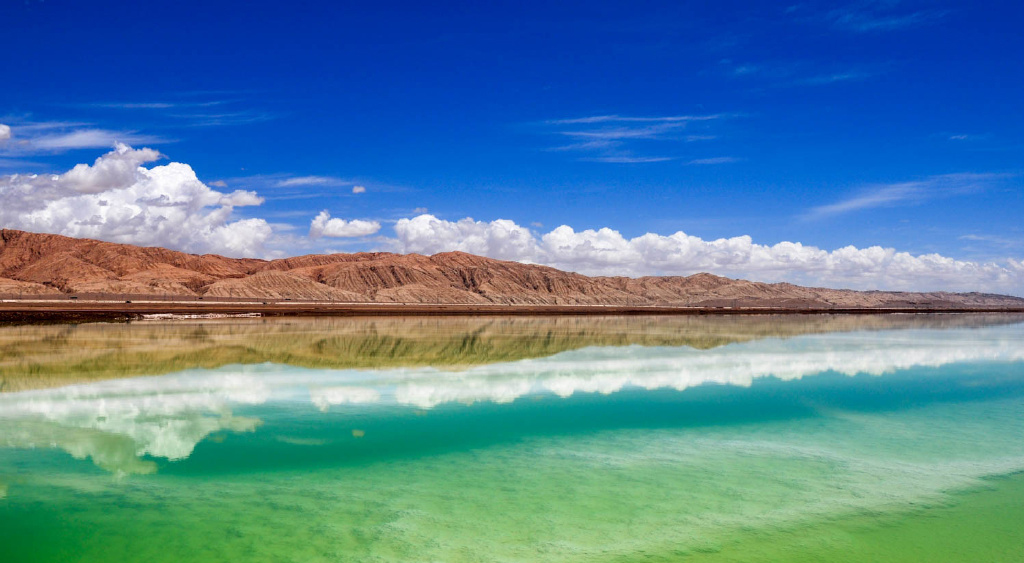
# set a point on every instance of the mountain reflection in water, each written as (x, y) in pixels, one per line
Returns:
(374, 368)
(38, 356)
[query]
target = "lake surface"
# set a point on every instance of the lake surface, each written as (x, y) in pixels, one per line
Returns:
(802, 438)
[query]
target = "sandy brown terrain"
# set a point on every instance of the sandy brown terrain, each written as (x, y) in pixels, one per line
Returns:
(40, 271)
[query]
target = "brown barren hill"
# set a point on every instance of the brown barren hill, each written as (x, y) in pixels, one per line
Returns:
(40, 265)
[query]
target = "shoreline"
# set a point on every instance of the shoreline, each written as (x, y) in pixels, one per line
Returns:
(44, 310)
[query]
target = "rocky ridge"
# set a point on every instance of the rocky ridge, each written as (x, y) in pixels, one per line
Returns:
(34, 264)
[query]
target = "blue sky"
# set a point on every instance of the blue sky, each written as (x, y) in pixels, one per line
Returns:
(895, 124)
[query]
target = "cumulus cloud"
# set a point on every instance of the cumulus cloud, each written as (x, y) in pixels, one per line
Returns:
(324, 226)
(118, 199)
(359, 189)
(607, 252)
(503, 239)
(114, 169)
(5, 132)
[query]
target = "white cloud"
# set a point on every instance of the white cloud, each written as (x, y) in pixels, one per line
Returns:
(653, 131)
(426, 234)
(996, 240)
(880, 16)
(118, 199)
(138, 105)
(157, 105)
(606, 252)
(194, 114)
(629, 159)
(312, 181)
(908, 193)
(47, 137)
(115, 169)
(221, 119)
(358, 189)
(324, 226)
(585, 146)
(90, 139)
(834, 77)
(633, 119)
(219, 184)
(608, 138)
(714, 160)
(878, 197)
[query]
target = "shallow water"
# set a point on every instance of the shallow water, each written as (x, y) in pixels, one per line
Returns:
(618, 439)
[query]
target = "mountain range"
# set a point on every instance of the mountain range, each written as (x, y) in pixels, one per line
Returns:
(33, 264)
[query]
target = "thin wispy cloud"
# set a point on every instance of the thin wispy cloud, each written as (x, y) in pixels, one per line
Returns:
(142, 105)
(908, 193)
(329, 181)
(288, 186)
(994, 240)
(154, 105)
(633, 119)
(602, 144)
(715, 160)
(628, 159)
(619, 133)
(291, 214)
(18, 164)
(877, 197)
(621, 139)
(93, 139)
(832, 78)
(191, 113)
(26, 126)
(223, 119)
(968, 137)
(880, 15)
(745, 70)
(298, 196)
(789, 74)
(30, 138)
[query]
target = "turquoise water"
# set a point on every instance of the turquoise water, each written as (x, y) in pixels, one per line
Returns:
(796, 448)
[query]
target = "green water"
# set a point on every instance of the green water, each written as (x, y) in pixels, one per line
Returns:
(889, 444)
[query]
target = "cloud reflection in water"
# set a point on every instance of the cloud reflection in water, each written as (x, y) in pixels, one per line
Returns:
(121, 423)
